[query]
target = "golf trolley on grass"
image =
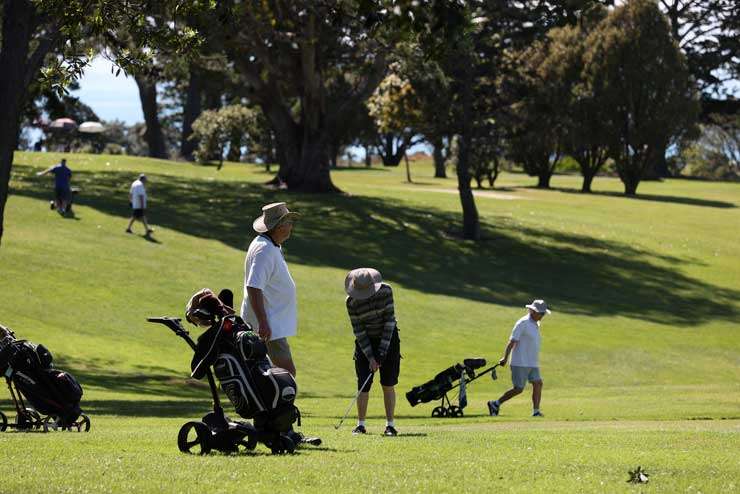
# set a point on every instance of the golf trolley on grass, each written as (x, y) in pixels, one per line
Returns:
(53, 394)
(216, 431)
(444, 382)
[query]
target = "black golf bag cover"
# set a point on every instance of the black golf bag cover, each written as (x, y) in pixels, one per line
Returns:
(49, 391)
(256, 389)
(443, 382)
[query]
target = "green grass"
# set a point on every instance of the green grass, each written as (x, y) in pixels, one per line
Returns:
(642, 339)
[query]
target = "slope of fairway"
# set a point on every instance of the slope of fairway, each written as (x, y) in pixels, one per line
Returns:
(645, 295)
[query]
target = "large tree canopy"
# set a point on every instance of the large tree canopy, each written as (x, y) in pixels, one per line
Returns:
(307, 64)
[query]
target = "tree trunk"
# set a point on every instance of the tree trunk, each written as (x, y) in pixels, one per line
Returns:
(191, 110)
(368, 156)
(408, 168)
(543, 179)
(17, 69)
(471, 225)
(588, 177)
(440, 170)
(235, 149)
(153, 135)
(658, 167)
(630, 187)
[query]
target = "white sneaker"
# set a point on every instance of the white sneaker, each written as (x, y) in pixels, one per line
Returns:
(538, 414)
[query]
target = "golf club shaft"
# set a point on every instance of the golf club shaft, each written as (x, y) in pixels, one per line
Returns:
(354, 400)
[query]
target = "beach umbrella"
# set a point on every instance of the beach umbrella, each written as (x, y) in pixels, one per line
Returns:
(63, 124)
(91, 127)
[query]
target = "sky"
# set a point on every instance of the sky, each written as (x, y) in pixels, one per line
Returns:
(109, 96)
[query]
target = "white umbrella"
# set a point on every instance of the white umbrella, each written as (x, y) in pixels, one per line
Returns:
(91, 127)
(63, 124)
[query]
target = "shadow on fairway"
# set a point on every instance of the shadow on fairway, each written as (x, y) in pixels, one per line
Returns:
(689, 201)
(191, 409)
(415, 248)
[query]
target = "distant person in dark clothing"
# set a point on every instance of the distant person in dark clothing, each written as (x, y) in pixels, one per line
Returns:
(377, 347)
(62, 190)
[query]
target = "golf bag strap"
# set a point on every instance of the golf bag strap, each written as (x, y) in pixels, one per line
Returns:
(205, 352)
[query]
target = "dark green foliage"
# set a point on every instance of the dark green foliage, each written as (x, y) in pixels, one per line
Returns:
(640, 79)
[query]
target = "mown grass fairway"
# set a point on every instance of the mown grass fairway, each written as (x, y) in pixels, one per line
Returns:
(641, 356)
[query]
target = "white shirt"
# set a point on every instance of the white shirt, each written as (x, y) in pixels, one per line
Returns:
(266, 269)
(526, 333)
(138, 195)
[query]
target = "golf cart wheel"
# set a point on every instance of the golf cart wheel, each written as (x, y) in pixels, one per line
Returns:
(439, 412)
(50, 422)
(250, 443)
(82, 424)
(3, 422)
(282, 445)
(454, 411)
(194, 438)
(28, 419)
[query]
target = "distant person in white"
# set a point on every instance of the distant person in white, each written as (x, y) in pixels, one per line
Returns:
(524, 347)
(137, 200)
(269, 303)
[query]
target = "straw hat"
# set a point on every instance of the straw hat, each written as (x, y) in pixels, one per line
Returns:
(362, 283)
(272, 215)
(538, 306)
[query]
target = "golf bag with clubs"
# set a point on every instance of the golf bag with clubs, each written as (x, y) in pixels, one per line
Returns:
(457, 376)
(256, 389)
(53, 395)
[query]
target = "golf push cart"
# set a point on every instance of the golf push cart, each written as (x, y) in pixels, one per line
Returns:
(243, 383)
(54, 395)
(454, 377)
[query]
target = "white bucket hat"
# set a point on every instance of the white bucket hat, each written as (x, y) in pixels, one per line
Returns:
(362, 283)
(272, 215)
(538, 305)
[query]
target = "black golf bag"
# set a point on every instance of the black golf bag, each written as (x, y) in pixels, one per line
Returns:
(49, 391)
(455, 376)
(257, 390)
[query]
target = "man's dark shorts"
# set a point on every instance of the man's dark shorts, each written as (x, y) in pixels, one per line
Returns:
(62, 193)
(389, 368)
(138, 213)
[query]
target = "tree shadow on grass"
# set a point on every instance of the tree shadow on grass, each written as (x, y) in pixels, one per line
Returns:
(412, 246)
(689, 201)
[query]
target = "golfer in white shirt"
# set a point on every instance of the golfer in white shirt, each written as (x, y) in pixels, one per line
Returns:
(269, 303)
(524, 347)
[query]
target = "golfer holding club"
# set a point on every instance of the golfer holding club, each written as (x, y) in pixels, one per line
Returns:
(524, 347)
(377, 347)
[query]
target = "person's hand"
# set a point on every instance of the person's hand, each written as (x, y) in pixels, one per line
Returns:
(264, 331)
(374, 365)
(502, 362)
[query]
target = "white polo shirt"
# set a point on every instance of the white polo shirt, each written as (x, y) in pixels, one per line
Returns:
(526, 333)
(266, 269)
(138, 195)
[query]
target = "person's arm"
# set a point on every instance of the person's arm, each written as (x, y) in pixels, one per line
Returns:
(361, 336)
(48, 170)
(257, 302)
(509, 348)
(389, 322)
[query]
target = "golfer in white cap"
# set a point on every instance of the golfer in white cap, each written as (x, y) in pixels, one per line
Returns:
(269, 303)
(524, 347)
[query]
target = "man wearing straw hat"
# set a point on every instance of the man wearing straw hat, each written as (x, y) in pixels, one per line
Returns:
(269, 303)
(524, 347)
(377, 347)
